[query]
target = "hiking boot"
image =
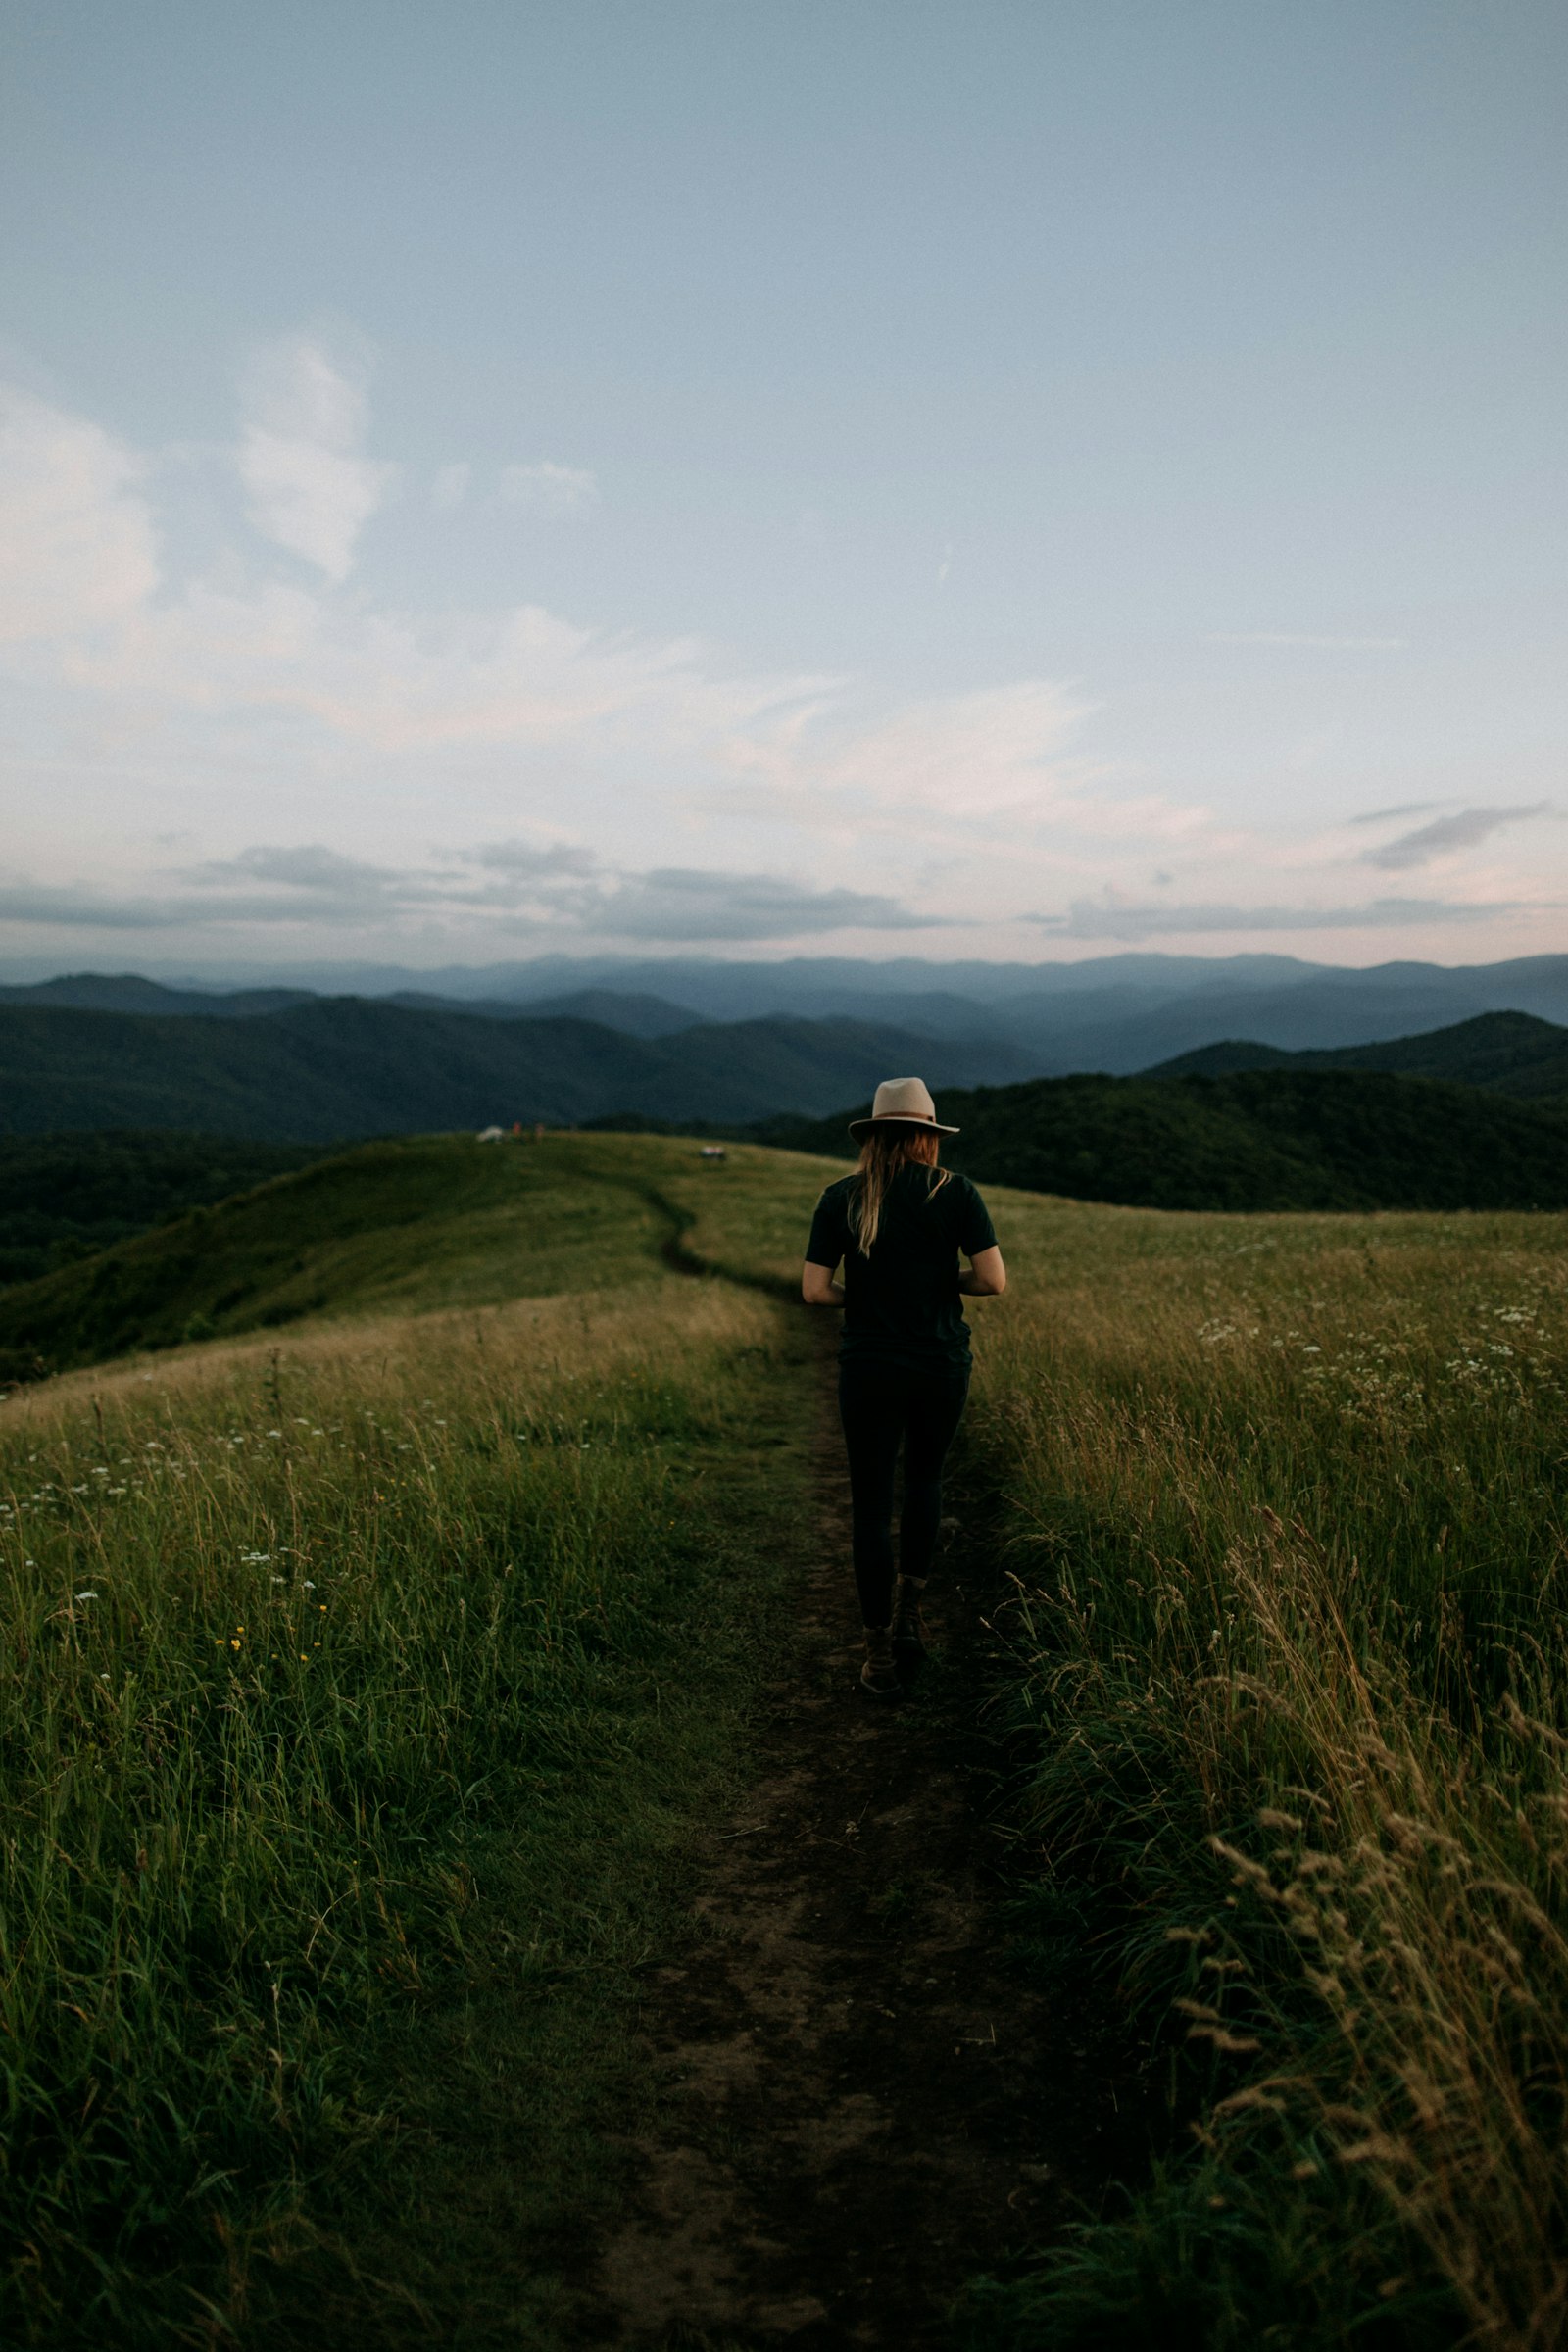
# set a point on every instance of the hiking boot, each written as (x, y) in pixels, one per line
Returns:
(879, 1677)
(909, 1631)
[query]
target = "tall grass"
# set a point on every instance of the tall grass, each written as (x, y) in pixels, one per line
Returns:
(323, 1664)
(1284, 1503)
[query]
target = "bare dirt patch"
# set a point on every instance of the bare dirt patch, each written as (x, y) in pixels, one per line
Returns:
(859, 2103)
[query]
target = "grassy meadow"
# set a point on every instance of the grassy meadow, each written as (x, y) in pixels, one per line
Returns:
(1281, 1500)
(371, 1663)
(362, 1690)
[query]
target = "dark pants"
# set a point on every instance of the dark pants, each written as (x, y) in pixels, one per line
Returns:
(879, 1404)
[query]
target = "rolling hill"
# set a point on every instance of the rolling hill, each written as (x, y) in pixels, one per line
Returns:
(326, 1068)
(1271, 1138)
(394, 1225)
(64, 1197)
(128, 991)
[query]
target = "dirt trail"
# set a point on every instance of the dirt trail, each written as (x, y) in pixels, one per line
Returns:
(861, 2104)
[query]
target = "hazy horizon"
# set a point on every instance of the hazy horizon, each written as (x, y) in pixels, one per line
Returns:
(312, 973)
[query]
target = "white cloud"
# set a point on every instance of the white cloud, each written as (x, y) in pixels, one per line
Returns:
(617, 787)
(549, 489)
(966, 762)
(77, 549)
(985, 754)
(309, 488)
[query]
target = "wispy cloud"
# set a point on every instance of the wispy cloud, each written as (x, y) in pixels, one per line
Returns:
(1465, 829)
(995, 758)
(654, 791)
(530, 861)
(1389, 816)
(64, 905)
(554, 890)
(309, 487)
(305, 867)
(548, 488)
(681, 903)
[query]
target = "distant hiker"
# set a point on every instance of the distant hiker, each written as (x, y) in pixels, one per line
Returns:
(897, 1225)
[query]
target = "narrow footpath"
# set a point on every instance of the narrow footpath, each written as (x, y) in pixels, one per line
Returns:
(861, 2104)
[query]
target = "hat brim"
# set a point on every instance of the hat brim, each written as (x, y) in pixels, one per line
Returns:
(900, 1118)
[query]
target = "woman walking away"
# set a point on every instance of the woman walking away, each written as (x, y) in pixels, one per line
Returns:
(897, 1225)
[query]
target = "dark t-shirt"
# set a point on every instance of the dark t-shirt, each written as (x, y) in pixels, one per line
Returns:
(902, 1304)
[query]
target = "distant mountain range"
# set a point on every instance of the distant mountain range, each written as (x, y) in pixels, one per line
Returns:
(1116, 1014)
(110, 1121)
(319, 1067)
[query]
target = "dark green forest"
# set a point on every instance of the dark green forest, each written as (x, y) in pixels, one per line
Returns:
(333, 1067)
(1276, 1139)
(65, 1196)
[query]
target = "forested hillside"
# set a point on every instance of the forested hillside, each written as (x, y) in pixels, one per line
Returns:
(64, 1197)
(331, 1067)
(1257, 1140)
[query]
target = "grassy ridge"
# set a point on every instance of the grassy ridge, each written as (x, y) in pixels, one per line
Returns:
(358, 1694)
(408, 1224)
(1285, 1500)
(427, 1221)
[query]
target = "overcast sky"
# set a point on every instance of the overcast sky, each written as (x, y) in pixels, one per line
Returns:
(946, 477)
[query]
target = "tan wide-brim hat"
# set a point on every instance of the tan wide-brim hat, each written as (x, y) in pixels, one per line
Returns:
(901, 1102)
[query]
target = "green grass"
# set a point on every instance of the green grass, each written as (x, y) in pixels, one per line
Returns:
(1285, 1500)
(430, 1221)
(412, 1224)
(361, 1692)
(346, 1811)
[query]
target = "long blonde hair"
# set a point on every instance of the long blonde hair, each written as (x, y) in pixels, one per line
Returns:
(885, 1154)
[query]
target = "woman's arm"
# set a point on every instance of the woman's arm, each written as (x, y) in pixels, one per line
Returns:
(986, 1277)
(818, 1288)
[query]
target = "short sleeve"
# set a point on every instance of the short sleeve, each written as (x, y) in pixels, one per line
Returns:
(975, 1229)
(830, 1240)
